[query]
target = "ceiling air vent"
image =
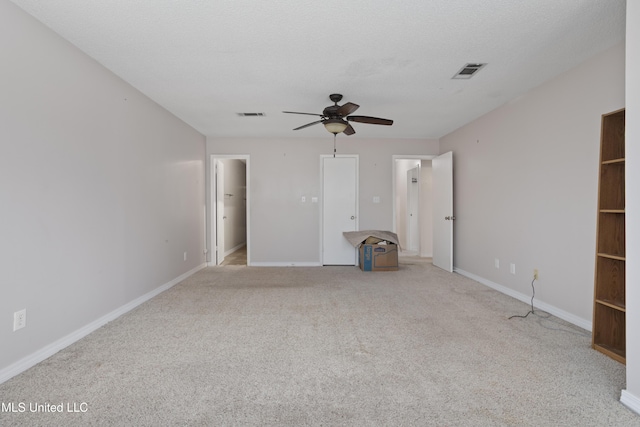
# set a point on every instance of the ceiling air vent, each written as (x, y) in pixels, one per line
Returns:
(468, 71)
(251, 114)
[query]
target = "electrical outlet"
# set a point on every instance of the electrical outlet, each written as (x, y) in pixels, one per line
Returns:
(496, 262)
(19, 319)
(535, 274)
(185, 256)
(512, 268)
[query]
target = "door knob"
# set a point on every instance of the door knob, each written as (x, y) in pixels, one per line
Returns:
(353, 217)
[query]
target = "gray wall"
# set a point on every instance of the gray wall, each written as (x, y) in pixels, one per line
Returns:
(284, 230)
(525, 186)
(101, 190)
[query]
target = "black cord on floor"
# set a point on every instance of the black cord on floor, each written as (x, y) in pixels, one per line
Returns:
(549, 318)
(532, 297)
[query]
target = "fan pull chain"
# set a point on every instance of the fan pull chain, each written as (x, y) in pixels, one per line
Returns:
(334, 145)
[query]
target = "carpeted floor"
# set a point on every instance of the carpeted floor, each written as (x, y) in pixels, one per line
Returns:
(327, 346)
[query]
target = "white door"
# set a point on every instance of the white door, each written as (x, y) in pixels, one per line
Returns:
(339, 209)
(219, 212)
(442, 176)
(413, 201)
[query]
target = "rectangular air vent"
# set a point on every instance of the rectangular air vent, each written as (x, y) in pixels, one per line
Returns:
(468, 71)
(251, 114)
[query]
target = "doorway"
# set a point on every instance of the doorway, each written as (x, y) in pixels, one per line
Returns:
(433, 232)
(412, 204)
(230, 201)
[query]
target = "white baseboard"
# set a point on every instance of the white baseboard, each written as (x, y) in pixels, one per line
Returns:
(630, 401)
(51, 349)
(286, 264)
(571, 318)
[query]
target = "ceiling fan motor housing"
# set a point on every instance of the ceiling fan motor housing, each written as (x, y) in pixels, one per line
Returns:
(331, 112)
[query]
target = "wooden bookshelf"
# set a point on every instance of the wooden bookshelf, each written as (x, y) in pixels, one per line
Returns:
(609, 309)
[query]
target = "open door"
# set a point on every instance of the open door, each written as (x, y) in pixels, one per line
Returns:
(442, 177)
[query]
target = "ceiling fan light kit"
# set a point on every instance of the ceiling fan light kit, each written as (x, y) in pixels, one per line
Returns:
(335, 126)
(333, 117)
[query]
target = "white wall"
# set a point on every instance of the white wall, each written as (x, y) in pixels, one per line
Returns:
(101, 190)
(631, 396)
(525, 186)
(426, 209)
(286, 230)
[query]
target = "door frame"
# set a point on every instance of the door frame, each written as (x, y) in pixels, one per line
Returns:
(213, 202)
(321, 204)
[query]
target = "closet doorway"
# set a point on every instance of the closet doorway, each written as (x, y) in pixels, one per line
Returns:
(230, 237)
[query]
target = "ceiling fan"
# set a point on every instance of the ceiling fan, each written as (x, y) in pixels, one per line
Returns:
(333, 117)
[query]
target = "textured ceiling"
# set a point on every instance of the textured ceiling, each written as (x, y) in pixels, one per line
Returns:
(206, 61)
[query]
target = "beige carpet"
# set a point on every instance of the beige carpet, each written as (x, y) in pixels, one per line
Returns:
(327, 346)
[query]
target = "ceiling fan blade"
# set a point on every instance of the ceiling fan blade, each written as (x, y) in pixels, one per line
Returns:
(308, 124)
(308, 114)
(347, 109)
(370, 120)
(349, 130)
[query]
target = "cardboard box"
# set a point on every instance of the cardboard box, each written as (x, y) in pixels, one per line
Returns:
(379, 257)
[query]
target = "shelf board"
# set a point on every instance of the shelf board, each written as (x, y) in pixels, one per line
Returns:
(619, 258)
(612, 305)
(612, 161)
(613, 353)
(612, 211)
